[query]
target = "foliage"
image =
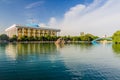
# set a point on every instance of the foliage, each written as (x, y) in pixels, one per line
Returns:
(14, 38)
(76, 38)
(116, 37)
(4, 37)
(41, 38)
(85, 37)
(88, 37)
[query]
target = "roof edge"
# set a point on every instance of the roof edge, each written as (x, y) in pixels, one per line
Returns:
(14, 25)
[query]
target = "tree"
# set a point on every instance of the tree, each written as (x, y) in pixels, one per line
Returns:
(88, 37)
(24, 38)
(14, 38)
(4, 37)
(116, 37)
(76, 38)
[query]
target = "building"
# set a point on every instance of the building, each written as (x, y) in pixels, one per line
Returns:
(30, 30)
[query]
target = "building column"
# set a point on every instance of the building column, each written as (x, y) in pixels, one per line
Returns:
(39, 33)
(28, 32)
(34, 31)
(51, 33)
(22, 31)
(43, 33)
(55, 33)
(16, 32)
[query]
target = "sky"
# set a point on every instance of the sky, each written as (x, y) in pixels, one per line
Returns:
(98, 17)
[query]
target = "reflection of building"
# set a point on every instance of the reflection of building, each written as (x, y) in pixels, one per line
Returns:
(30, 30)
(15, 51)
(11, 51)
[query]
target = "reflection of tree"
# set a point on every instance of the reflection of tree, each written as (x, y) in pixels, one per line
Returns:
(116, 48)
(2, 48)
(84, 46)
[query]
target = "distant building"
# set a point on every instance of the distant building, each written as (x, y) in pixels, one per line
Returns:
(30, 30)
(82, 33)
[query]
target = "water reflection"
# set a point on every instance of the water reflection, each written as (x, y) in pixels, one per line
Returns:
(59, 62)
(85, 46)
(59, 46)
(2, 48)
(32, 62)
(116, 48)
(22, 50)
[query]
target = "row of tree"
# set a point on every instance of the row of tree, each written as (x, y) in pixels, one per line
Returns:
(85, 37)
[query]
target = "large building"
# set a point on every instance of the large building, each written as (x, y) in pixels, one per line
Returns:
(30, 30)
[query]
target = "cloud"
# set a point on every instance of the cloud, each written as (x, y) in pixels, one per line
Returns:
(99, 18)
(52, 22)
(32, 20)
(35, 4)
(42, 25)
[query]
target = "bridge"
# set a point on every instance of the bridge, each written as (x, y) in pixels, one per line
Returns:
(98, 39)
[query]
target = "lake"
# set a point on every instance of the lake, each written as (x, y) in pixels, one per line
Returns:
(34, 61)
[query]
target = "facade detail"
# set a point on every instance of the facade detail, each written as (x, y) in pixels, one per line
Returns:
(30, 31)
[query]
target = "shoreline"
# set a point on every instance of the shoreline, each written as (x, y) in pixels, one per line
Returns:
(84, 42)
(67, 42)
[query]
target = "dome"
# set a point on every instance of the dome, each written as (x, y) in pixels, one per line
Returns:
(32, 25)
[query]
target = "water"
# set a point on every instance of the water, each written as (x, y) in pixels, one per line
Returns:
(59, 62)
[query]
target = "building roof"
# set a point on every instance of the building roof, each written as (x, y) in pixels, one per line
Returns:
(33, 26)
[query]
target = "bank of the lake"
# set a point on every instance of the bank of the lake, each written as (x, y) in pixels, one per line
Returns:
(45, 42)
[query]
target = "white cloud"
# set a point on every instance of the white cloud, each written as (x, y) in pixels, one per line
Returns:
(35, 4)
(52, 22)
(42, 25)
(32, 20)
(99, 18)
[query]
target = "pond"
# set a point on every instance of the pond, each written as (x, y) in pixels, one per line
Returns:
(33, 61)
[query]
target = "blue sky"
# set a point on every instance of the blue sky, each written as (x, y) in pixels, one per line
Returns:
(21, 11)
(98, 17)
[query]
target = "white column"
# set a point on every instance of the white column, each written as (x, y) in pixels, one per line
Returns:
(34, 32)
(16, 32)
(22, 31)
(28, 32)
(39, 33)
(43, 33)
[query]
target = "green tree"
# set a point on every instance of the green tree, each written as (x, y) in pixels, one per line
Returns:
(4, 37)
(31, 38)
(75, 38)
(14, 38)
(40, 38)
(88, 37)
(116, 37)
(24, 38)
